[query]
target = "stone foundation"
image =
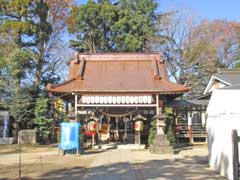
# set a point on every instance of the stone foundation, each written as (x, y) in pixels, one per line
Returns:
(161, 145)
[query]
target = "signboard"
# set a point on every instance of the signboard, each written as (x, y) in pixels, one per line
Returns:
(69, 136)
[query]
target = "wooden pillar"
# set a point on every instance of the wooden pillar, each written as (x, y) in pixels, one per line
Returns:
(75, 106)
(191, 135)
(159, 129)
(117, 134)
(157, 104)
(125, 127)
(110, 130)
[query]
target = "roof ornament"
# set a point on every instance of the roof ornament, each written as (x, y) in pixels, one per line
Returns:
(82, 68)
(78, 59)
(156, 69)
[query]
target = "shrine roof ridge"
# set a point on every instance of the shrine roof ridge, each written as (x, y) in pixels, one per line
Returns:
(144, 56)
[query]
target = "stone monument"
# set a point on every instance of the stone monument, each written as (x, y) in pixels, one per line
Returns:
(161, 144)
(27, 136)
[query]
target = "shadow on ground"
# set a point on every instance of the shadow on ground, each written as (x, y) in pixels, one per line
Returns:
(187, 168)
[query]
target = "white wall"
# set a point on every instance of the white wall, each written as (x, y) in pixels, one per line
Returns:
(223, 115)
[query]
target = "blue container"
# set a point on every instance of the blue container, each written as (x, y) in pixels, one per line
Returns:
(69, 136)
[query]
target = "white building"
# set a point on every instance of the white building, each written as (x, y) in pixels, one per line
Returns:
(223, 115)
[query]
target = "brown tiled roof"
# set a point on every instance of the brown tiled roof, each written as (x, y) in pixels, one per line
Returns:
(121, 72)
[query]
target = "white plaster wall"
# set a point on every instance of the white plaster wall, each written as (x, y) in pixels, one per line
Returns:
(223, 115)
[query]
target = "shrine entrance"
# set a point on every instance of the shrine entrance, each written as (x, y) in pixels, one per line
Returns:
(118, 129)
(117, 125)
(121, 130)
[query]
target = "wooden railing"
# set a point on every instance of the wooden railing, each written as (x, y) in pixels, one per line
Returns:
(183, 130)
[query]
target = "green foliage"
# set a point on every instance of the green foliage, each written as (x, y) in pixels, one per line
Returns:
(135, 24)
(25, 34)
(105, 26)
(28, 24)
(153, 131)
(237, 65)
(22, 108)
(169, 128)
(204, 63)
(43, 120)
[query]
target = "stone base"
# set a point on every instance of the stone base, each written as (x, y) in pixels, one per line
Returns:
(161, 145)
(9, 140)
(161, 150)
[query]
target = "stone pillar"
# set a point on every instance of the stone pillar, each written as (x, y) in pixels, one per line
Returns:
(161, 144)
(160, 122)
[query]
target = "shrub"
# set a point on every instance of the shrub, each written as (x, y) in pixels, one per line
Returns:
(153, 131)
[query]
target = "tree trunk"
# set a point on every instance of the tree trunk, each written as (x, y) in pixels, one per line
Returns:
(38, 74)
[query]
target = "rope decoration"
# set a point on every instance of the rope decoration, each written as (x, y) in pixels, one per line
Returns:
(117, 115)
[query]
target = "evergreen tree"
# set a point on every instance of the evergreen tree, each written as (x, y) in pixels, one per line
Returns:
(43, 119)
(120, 26)
(34, 29)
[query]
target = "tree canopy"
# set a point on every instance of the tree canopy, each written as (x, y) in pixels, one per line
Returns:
(119, 26)
(30, 52)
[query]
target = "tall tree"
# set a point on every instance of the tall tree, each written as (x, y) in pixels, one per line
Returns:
(211, 45)
(37, 26)
(135, 25)
(106, 26)
(36, 29)
(173, 29)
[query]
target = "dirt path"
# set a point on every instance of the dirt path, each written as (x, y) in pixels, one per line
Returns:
(141, 165)
(114, 164)
(43, 163)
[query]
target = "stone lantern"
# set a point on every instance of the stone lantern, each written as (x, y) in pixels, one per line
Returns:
(161, 144)
(161, 118)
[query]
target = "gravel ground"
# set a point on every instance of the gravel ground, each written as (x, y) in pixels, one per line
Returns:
(42, 162)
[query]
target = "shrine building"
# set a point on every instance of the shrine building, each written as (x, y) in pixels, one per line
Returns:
(117, 88)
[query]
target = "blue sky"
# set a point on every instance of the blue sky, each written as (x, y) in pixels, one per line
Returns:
(211, 9)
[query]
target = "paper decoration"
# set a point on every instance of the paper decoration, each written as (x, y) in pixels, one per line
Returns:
(143, 99)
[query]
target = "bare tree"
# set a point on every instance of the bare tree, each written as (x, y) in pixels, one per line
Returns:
(194, 50)
(174, 28)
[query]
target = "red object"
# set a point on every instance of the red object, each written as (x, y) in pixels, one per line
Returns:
(90, 133)
(135, 126)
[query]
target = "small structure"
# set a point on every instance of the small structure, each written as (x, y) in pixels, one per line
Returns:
(189, 120)
(161, 144)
